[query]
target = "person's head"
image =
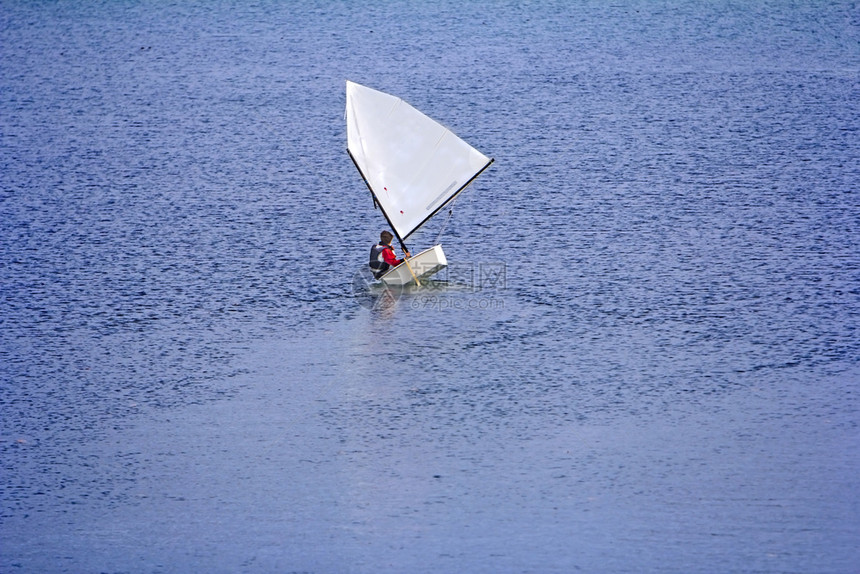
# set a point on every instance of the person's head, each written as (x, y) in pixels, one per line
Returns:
(386, 237)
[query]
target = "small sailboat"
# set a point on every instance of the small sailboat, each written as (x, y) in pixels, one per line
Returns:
(412, 165)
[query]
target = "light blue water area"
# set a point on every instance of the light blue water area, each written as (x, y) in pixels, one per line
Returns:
(643, 357)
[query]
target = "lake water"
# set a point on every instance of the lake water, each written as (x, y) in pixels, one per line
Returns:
(643, 358)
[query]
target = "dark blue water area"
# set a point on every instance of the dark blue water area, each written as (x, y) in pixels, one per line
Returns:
(642, 358)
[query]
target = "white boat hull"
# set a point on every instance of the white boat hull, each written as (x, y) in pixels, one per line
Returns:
(423, 265)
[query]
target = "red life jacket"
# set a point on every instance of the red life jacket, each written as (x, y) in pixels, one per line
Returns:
(377, 259)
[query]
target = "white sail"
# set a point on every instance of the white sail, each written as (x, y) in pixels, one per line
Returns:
(412, 164)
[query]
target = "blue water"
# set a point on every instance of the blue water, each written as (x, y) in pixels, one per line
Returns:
(643, 358)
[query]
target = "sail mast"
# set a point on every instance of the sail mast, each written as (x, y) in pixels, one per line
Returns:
(376, 203)
(361, 173)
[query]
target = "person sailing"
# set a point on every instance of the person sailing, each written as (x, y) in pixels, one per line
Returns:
(382, 257)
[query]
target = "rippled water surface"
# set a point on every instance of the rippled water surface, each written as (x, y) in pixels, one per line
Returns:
(643, 358)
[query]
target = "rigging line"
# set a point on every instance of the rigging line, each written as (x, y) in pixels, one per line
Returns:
(445, 223)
